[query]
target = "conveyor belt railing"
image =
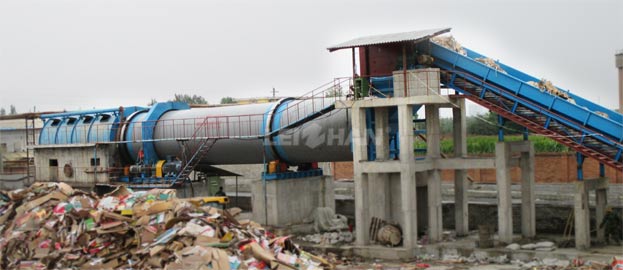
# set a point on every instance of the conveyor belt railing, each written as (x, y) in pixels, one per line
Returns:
(577, 125)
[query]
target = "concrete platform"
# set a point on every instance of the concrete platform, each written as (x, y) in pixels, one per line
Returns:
(290, 201)
(465, 247)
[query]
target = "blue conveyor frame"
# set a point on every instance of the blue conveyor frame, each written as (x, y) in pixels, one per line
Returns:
(575, 124)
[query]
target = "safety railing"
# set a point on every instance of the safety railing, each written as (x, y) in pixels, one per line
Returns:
(210, 126)
(395, 85)
(206, 127)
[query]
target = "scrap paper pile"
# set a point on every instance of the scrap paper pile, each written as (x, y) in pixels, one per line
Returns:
(53, 226)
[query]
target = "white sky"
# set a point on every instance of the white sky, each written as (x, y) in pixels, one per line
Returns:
(82, 54)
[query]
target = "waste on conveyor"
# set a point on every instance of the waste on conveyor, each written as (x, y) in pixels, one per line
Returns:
(490, 63)
(546, 85)
(53, 226)
(450, 43)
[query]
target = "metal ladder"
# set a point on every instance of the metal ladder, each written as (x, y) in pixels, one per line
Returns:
(189, 165)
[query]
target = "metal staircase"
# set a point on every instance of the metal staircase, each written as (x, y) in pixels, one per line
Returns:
(208, 140)
(190, 164)
(575, 126)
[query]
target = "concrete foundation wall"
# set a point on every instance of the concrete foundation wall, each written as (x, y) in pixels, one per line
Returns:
(14, 140)
(79, 158)
(291, 201)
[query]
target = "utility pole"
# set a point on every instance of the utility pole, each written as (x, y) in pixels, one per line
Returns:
(619, 65)
(275, 93)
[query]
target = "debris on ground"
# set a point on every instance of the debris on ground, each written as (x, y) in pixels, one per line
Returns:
(329, 238)
(513, 246)
(475, 261)
(450, 43)
(325, 219)
(53, 226)
(490, 63)
(384, 232)
(539, 246)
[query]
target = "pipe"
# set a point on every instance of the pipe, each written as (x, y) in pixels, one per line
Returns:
(245, 131)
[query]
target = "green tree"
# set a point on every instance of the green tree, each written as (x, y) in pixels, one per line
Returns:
(2, 111)
(13, 110)
(152, 102)
(194, 99)
(228, 100)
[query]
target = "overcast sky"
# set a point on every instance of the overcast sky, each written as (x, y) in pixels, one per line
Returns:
(82, 54)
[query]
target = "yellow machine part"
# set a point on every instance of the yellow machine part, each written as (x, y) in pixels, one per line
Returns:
(159, 165)
(273, 166)
(199, 201)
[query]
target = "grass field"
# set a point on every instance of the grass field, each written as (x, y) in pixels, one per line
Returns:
(486, 144)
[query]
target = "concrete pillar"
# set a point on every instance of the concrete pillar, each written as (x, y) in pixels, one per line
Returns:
(360, 153)
(601, 197)
(408, 202)
(528, 198)
(505, 203)
(327, 193)
(362, 215)
(360, 136)
(581, 213)
(408, 197)
(435, 225)
(405, 132)
(379, 196)
(461, 212)
(381, 133)
(433, 134)
(380, 203)
(433, 151)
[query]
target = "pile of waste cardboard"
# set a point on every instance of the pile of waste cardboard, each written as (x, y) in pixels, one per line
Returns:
(53, 226)
(490, 63)
(450, 43)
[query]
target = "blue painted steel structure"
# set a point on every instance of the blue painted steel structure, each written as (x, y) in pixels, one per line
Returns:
(291, 175)
(383, 88)
(575, 124)
(137, 139)
(273, 119)
(149, 123)
(82, 127)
